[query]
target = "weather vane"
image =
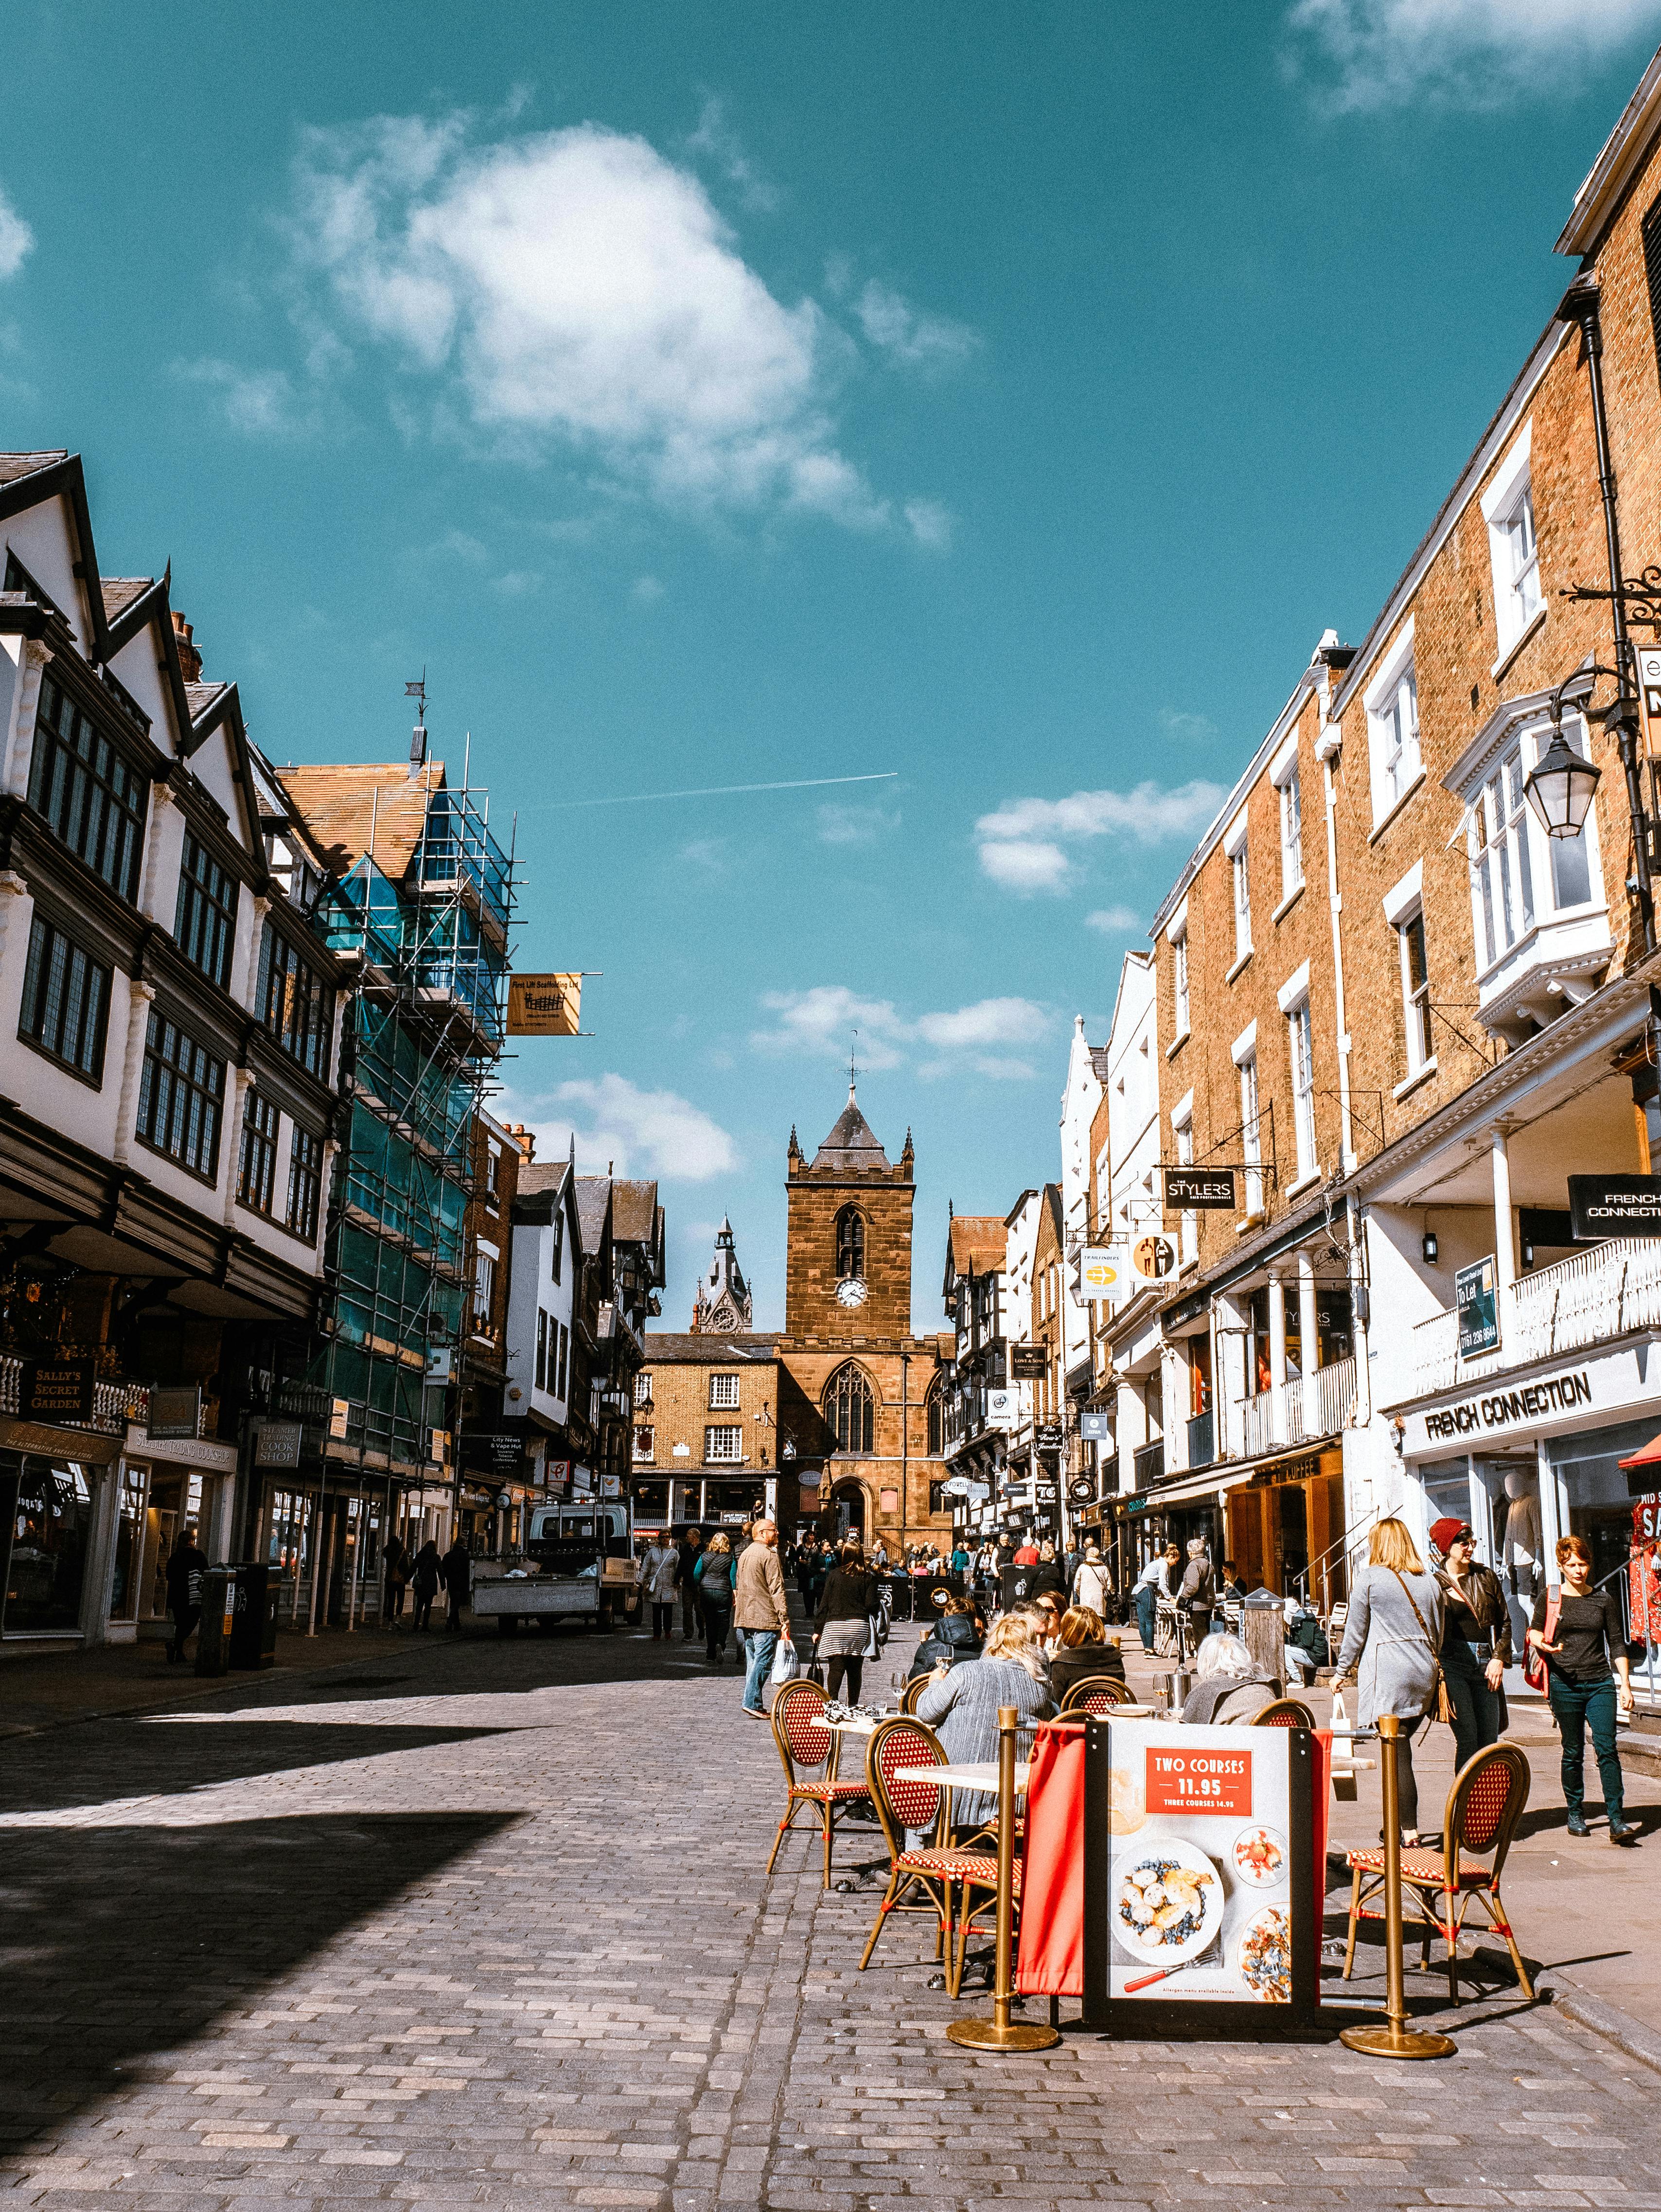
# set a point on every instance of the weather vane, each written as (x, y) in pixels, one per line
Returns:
(851, 1070)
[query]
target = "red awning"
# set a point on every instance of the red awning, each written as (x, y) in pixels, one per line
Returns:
(1650, 1456)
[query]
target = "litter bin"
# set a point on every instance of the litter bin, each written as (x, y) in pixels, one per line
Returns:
(253, 1618)
(213, 1635)
(1262, 1629)
(1016, 1586)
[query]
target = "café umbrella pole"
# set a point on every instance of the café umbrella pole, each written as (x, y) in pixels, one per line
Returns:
(1395, 2040)
(1000, 2032)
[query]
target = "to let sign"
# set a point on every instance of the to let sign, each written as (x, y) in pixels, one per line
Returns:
(1476, 1304)
(1199, 1189)
(1614, 1206)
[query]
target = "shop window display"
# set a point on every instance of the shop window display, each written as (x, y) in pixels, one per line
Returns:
(47, 1533)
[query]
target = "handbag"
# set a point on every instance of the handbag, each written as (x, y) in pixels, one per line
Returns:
(1535, 1672)
(1439, 1703)
(874, 1638)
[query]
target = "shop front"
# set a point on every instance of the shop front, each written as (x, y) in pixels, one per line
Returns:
(1284, 1527)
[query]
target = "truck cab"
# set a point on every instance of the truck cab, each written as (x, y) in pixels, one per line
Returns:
(573, 1537)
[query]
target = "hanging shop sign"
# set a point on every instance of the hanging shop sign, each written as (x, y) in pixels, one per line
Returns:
(1104, 1273)
(58, 1390)
(956, 1485)
(277, 1444)
(557, 1476)
(1096, 1428)
(176, 1412)
(1189, 1190)
(1153, 1260)
(1081, 1490)
(1043, 1493)
(545, 1005)
(978, 1493)
(500, 1453)
(1220, 1822)
(1648, 691)
(1029, 1363)
(1048, 1436)
(1475, 1300)
(1614, 1206)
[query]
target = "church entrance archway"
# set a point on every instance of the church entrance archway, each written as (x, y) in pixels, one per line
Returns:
(847, 1503)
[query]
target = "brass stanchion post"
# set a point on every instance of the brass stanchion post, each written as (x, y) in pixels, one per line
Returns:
(1000, 2032)
(1395, 2040)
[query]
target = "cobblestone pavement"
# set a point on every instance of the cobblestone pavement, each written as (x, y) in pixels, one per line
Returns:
(487, 1926)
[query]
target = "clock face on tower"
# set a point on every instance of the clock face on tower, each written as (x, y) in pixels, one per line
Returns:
(850, 1292)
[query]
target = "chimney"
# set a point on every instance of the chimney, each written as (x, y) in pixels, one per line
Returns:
(524, 1138)
(189, 658)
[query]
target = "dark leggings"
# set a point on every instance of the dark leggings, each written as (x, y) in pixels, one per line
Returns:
(717, 1619)
(423, 1607)
(1476, 1707)
(839, 1666)
(663, 1618)
(1576, 1706)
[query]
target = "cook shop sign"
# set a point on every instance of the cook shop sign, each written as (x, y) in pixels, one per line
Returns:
(1505, 1409)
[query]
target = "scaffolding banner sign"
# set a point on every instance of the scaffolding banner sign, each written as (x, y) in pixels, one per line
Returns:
(545, 1005)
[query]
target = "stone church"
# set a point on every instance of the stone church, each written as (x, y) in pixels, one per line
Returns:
(847, 1345)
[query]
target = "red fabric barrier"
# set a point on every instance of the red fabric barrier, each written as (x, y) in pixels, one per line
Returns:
(1049, 1956)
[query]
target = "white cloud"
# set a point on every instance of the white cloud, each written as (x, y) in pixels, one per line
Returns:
(1176, 724)
(1372, 54)
(576, 291)
(1022, 843)
(855, 825)
(261, 403)
(646, 591)
(518, 583)
(717, 141)
(821, 1023)
(643, 1133)
(906, 334)
(931, 524)
(1114, 921)
(708, 855)
(16, 239)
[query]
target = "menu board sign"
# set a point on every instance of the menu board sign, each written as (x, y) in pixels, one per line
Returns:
(1199, 1872)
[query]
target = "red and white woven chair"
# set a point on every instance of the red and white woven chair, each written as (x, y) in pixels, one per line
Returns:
(1439, 1888)
(937, 1871)
(803, 1740)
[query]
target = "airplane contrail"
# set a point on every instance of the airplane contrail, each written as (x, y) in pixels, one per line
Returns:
(711, 790)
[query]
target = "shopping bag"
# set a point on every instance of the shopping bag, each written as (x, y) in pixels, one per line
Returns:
(784, 1664)
(874, 1638)
(1344, 1788)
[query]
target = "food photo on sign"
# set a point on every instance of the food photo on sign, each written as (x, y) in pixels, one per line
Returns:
(1201, 1863)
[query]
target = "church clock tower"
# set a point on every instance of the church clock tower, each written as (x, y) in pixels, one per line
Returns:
(847, 1258)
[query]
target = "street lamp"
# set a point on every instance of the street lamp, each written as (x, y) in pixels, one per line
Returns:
(1560, 788)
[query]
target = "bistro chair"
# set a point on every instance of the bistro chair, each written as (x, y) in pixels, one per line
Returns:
(1097, 1693)
(1439, 1888)
(1285, 1712)
(913, 1690)
(803, 1739)
(937, 1869)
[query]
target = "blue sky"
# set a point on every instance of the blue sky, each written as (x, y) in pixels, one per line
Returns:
(998, 401)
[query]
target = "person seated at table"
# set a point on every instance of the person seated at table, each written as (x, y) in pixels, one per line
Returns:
(1082, 1647)
(1048, 1610)
(953, 1637)
(1227, 1689)
(961, 1703)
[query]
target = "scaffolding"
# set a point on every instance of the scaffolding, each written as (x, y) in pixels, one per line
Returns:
(420, 1043)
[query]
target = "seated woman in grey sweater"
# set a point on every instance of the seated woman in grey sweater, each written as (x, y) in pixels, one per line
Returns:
(1227, 1688)
(961, 1704)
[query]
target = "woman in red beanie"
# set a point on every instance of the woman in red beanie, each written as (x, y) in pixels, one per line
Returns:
(1475, 1638)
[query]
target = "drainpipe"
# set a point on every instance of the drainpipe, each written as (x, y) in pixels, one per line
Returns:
(1580, 306)
(1328, 740)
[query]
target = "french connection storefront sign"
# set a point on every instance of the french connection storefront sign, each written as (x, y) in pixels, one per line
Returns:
(1505, 1409)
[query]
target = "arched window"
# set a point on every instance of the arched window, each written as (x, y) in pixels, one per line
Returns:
(850, 1409)
(851, 1242)
(936, 1422)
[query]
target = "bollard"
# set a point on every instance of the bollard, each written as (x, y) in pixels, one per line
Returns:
(1395, 2040)
(1000, 2032)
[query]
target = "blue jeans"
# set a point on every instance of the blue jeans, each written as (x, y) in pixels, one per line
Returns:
(1574, 1705)
(763, 1644)
(1476, 1707)
(1145, 1603)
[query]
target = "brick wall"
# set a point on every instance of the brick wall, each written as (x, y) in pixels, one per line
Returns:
(680, 1413)
(810, 1288)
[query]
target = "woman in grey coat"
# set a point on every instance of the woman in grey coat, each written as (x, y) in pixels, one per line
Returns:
(1390, 1649)
(961, 1704)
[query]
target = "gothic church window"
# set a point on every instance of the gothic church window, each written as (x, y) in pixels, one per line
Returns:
(851, 1242)
(936, 1424)
(849, 1410)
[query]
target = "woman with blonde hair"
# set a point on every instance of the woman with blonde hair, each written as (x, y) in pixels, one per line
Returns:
(961, 1703)
(1391, 1639)
(714, 1575)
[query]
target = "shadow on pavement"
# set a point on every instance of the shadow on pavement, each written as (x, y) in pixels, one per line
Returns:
(122, 1944)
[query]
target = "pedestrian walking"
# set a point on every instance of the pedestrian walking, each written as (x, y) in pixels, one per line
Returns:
(1476, 1647)
(1027, 1553)
(1391, 1640)
(1092, 1586)
(1584, 1642)
(656, 1578)
(842, 1620)
(761, 1610)
(1197, 1591)
(458, 1583)
(395, 1564)
(1050, 1577)
(187, 1565)
(713, 1575)
(426, 1572)
(1154, 1582)
(691, 1548)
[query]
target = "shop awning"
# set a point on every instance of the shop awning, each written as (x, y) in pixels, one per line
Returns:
(1643, 1468)
(1650, 1456)
(1211, 1484)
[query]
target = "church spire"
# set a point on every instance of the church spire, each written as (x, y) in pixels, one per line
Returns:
(723, 1305)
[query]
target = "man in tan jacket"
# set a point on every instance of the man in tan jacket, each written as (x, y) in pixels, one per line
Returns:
(761, 1610)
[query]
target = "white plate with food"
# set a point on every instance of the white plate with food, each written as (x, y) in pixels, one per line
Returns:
(1167, 1901)
(1265, 1956)
(1260, 1857)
